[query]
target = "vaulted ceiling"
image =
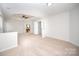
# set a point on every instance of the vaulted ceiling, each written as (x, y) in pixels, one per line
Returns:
(36, 9)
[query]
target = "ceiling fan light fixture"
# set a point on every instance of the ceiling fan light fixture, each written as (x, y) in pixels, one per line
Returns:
(25, 16)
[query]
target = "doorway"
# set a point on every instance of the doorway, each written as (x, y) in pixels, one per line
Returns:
(37, 28)
(27, 28)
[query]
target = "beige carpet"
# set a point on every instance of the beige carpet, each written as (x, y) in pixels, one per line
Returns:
(35, 45)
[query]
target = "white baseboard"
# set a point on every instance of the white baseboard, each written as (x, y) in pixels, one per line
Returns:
(76, 44)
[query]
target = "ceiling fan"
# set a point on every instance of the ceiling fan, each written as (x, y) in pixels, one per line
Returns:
(24, 16)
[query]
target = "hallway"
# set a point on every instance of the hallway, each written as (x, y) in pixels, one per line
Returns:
(34, 45)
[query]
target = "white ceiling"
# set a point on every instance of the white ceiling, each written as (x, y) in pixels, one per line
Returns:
(37, 9)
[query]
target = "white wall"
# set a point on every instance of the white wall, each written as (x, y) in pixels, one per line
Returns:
(58, 26)
(35, 27)
(64, 26)
(44, 27)
(32, 26)
(8, 40)
(14, 25)
(74, 26)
